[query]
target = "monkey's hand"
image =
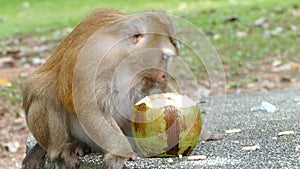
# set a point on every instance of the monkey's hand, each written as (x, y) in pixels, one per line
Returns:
(112, 161)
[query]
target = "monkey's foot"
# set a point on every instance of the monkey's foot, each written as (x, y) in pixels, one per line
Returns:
(70, 153)
(79, 151)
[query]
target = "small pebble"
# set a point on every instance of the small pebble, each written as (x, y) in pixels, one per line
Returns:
(37, 61)
(170, 160)
(12, 147)
(235, 142)
(298, 148)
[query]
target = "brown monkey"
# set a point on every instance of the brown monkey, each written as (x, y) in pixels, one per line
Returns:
(83, 95)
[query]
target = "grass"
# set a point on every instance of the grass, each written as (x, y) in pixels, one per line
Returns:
(237, 52)
(38, 15)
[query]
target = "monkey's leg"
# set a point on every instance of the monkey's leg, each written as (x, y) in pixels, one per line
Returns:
(33, 157)
(47, 124)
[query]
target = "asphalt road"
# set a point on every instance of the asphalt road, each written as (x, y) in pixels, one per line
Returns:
(257, 128)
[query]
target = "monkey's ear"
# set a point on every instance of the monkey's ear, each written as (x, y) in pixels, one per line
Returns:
(134, 39)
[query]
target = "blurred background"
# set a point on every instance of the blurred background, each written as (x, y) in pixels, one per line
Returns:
(257, 41)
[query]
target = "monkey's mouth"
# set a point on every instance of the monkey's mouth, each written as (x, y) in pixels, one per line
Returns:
(156, 76)
(149, 82)
(152, 78)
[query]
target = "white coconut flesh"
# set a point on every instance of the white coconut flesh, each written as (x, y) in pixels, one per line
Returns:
(167, 99)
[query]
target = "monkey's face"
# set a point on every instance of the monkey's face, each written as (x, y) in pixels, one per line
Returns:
(149, 46)
(128, 58)
(142, 46)
(131, 53)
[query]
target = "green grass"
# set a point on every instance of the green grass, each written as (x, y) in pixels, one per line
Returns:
(237, 53)
(47, 14)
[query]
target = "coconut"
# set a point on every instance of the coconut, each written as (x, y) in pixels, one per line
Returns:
(166, 125)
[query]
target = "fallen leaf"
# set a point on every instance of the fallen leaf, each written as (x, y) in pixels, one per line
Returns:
(6, 62)
(286, 133)
(182, 6)
(4, 82)
(13, 53)
(294, 28)
(196, 157)
(277, 63)
(260, 21)
(241, 34)
(217, 36)
(295, 66)
(251, 148)
(295, 12)
(287, 78)
(26, 4)
(286, 67)
(231, 19)
(273, 32)
(233, 131)
(267, 85)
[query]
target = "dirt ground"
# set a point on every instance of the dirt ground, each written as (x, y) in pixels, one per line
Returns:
(23, 54)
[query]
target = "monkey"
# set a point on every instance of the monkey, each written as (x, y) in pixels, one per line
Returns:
(82, 96)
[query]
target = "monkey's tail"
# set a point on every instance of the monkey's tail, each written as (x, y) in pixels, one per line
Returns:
(34, 157)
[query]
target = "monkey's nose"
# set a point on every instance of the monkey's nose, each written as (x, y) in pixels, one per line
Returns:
(157, 76)
(161, 77)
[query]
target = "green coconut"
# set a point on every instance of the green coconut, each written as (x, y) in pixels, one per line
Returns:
(166, 125)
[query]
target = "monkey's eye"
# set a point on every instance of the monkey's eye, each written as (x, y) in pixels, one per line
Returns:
(136, 38)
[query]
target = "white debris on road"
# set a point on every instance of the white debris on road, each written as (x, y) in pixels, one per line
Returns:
(233, 131)
(286, 133)
(265, 106)
(196, 157)
(251, 148)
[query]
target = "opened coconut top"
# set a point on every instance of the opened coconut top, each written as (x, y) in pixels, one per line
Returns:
(167, 99)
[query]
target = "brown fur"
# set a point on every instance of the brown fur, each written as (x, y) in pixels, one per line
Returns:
(59, 97)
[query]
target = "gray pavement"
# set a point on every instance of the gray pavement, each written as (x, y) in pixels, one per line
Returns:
(258, 128)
